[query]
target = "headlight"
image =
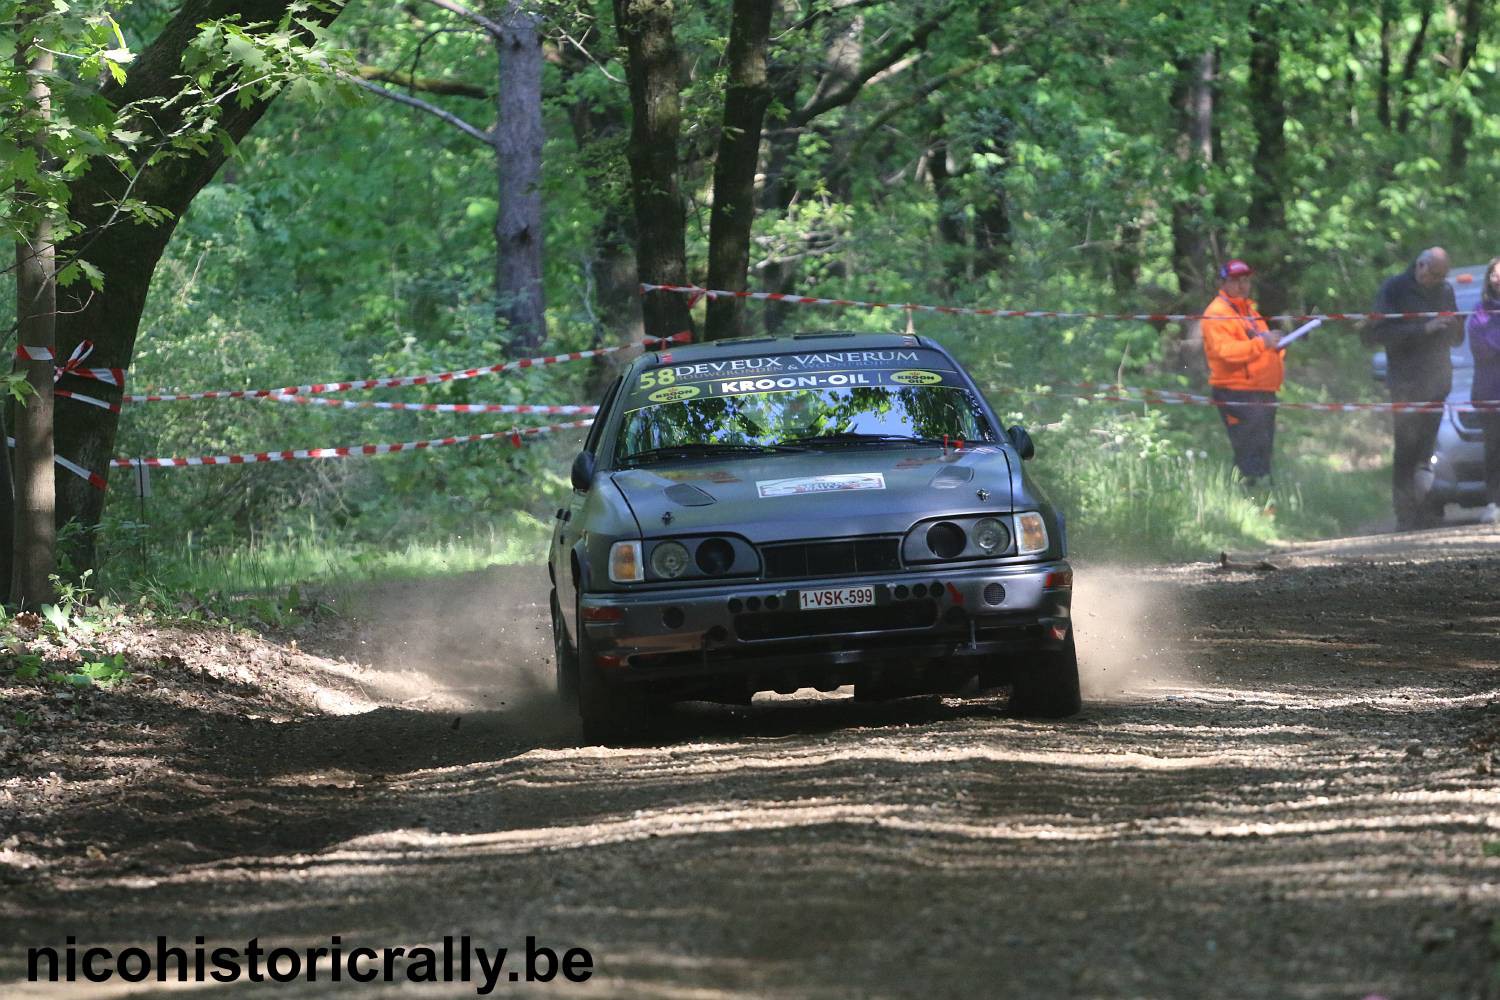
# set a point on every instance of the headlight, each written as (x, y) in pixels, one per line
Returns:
(991, 536)
(1031, 532)
(669, 560)
(625, 563)
(946, 540)
(715, 556)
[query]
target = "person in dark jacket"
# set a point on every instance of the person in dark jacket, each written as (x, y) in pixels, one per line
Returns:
(1483, 329)
(1418, 370)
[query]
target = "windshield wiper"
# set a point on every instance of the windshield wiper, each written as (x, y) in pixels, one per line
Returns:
(854, 437)
(702, 448)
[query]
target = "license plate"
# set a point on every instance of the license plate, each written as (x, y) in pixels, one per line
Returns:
(845, 597)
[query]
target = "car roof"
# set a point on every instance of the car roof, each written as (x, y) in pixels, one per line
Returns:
(798, 343)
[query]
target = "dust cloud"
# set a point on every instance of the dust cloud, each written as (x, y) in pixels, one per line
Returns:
(469, 644)
(480, 644)
(1124, 622)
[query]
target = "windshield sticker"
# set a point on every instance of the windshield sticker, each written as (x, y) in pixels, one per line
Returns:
(803, 485)
(673, 394)
(916, 378)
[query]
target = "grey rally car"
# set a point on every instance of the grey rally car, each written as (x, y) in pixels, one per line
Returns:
(815, 511)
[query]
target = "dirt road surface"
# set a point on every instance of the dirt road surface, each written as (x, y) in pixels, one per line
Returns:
(1282, 786)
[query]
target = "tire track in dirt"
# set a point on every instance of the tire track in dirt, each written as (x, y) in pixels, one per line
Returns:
(1280, 787)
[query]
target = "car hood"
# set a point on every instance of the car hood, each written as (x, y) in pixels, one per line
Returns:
(819, 493)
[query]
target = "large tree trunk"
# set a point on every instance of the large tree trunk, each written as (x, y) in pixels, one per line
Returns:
(1266, 219)
(127, 254)
(1193, 215)
(36, 313)
(34, 559)
(645, 28)
(745, 102)
(518, 153)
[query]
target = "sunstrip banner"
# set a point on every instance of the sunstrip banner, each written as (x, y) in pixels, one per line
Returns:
(514, 436)
(436, 378)
(696, 292)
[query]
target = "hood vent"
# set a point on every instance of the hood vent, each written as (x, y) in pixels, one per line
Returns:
(687, 495)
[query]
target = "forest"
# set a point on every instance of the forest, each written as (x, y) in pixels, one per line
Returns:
(247, 194)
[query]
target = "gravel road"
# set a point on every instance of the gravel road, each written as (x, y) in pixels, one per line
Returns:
(1281, 786)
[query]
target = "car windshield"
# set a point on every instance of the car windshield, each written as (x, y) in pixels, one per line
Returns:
(751, 422)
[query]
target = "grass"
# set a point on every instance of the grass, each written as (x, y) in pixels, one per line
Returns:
(1173, 508)
(331, 563)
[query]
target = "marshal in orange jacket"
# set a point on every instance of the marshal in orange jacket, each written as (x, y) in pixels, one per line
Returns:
(1237, 357)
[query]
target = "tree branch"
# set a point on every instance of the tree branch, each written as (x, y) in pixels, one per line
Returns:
(491, 27)
(431, 109)
(426, 84)
(846, 93)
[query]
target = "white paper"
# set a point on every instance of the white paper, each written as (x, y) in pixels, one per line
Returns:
(1301, 331)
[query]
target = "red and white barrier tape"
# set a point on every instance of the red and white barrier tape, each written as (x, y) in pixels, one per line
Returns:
(94, 479)
(351, 404)
(404, 380)
(515, 436)
(90, 400)
(72, 366)
(1103, 393)
(695, 292)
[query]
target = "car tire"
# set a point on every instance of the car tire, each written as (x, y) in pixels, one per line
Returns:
(610, 713)
(1047, 688)
(564, 659)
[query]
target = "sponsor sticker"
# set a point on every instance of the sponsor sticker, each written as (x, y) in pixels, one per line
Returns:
(803, 485)
(674, 394)
(915, 377)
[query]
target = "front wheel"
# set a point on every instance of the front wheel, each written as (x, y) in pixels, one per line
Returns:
(609, 712)
(1047, 687)
(564, 659)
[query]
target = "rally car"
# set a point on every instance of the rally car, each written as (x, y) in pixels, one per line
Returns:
(815, 511)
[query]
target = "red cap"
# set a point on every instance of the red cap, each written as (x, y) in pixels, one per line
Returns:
(1235, 268)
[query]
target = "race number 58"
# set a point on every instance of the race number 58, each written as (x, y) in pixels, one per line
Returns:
(662, 376)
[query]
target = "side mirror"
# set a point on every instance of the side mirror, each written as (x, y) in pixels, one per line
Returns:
(583, 471)
(1021, 441)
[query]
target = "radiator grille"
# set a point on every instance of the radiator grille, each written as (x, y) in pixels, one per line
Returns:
(804, 560)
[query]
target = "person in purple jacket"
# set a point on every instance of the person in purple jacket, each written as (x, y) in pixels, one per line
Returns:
(1483, 328)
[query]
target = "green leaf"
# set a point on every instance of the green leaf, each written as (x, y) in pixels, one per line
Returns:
(56, 616)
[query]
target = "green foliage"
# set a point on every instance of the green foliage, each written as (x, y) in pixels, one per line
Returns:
(1019, 156)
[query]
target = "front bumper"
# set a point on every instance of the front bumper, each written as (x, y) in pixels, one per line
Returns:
(974, 614)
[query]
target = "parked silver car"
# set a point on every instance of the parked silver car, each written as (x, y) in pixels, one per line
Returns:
(1456, 474)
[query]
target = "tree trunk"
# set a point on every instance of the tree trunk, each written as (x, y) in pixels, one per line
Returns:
(745, 102)
(1266, 219)
(992, 232)
(950, 210)
(127, 254)
(519, 136)
(1463, 122)
(7, 509)
(1193, 216)
(1388, 21)
(652, 65)
(36, 325)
